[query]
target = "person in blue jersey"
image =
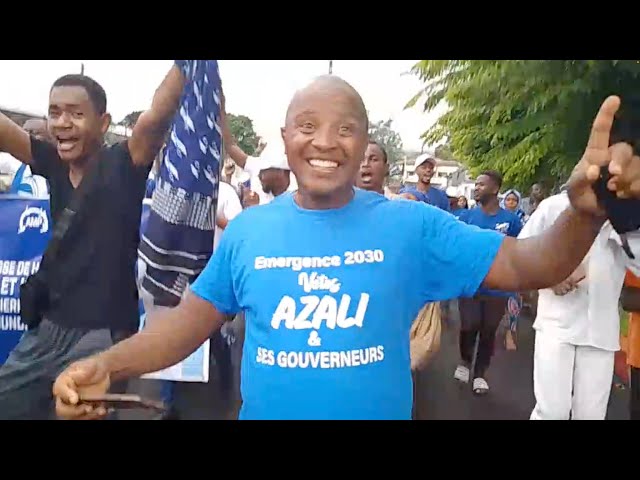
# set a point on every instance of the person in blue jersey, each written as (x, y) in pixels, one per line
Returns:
(425, 166)
(511, 201)
(331, 277)
(462, 205)
(481, 313)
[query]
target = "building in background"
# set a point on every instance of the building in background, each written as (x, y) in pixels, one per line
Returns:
(448, 173)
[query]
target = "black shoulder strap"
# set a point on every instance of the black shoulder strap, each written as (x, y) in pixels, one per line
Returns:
(76, 204)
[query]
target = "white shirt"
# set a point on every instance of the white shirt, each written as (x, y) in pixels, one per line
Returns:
(229, 206)
(8, 168)
(32, 185)
(589, 315)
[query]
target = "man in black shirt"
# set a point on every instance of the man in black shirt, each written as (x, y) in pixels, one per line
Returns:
(91, 283)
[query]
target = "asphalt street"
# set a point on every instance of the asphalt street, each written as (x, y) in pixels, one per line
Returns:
(510, 377)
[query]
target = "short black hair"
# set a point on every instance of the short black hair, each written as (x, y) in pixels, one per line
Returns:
(382, 149)
(495, 176)
(96, 93)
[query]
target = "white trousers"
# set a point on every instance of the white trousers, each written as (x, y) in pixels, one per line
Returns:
(570, 381)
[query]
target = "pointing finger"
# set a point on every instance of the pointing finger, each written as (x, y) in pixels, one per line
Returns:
(601, 130)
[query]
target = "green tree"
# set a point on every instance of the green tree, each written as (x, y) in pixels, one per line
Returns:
(529, 119)
(130, 119)
(241, 127)
(383, 133)
(444, 152)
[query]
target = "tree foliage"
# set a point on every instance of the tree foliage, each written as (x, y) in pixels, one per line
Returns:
(130, 119)
(529, 119)
(383, 133)
(241, 127)
(444, 152)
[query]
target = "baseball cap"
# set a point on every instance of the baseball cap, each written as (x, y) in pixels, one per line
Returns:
(273, 158)
(425, 157)
(452, 192)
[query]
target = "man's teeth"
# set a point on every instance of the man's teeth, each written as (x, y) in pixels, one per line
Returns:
(323, 163)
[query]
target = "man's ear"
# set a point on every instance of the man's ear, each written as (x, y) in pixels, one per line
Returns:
(283, 135)
(106, 122)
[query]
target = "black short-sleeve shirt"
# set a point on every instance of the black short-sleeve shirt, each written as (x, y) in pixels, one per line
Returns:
(92, 283)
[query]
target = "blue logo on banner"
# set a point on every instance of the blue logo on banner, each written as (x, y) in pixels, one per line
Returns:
(25, 230)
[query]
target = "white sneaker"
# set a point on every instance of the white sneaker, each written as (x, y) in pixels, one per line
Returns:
(462, 374)
(480, 386)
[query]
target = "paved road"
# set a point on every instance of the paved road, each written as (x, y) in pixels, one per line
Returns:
(440, 397)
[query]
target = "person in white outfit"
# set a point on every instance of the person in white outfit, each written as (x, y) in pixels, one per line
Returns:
(251, 188)
(577, 325)
(228, 208)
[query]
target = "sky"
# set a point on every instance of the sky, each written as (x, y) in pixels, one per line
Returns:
(259, 89)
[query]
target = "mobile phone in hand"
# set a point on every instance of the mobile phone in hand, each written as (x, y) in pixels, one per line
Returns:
(118, 401)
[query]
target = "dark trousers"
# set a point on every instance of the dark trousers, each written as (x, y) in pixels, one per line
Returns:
(27, 377)
(214, 400)
(634, 397)
(479, 315)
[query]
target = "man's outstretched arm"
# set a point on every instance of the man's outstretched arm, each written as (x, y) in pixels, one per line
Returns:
(545, 260)
(169, 337)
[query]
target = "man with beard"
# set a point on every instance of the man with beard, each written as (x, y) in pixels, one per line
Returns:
(332, 277)
(482, 313)
(425, 192)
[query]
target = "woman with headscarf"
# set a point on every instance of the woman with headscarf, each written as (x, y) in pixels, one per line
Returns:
(511, 201)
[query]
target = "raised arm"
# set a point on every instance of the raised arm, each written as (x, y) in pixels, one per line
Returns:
(547, 259)
(14, 140)
(151, 128)
(231, 147)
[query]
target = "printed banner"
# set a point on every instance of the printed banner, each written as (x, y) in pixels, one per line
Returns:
(25, 229)
(194, 368)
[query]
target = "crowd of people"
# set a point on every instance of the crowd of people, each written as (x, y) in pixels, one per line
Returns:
(302, 259)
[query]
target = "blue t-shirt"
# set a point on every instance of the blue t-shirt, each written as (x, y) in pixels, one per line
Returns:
(458, 211)
(504, 221)
(434, 196)
(330, 296)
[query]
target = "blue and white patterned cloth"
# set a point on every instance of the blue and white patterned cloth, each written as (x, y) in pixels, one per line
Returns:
(178, 240)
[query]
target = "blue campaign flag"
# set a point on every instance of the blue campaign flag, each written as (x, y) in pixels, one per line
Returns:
(25, 230)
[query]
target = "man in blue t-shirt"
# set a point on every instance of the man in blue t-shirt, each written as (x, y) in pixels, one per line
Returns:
(481, 314)
(331, 277)
(425, 166)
